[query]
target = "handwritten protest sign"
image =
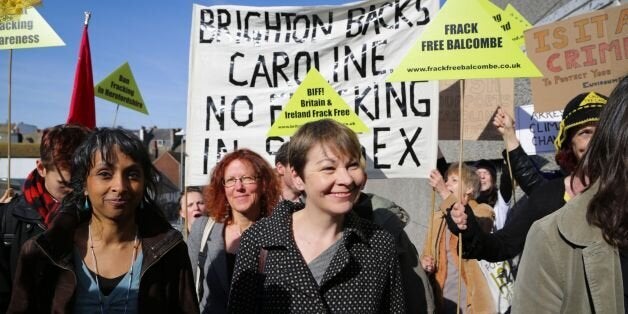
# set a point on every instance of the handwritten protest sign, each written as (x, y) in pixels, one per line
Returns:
(247, 62)
(580, 54)
(481, 99)
(537, 131)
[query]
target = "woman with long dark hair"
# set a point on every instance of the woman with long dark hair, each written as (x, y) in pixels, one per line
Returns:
(576, 260)
(110, 249)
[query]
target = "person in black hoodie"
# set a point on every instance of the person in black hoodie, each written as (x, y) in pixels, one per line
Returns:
(577, 126)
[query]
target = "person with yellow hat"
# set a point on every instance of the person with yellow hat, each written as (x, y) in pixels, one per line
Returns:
(577, 126)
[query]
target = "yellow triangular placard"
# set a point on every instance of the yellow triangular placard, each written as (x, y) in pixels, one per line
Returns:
(120, 88)
(514, 13)
(519, 24)
(313, 100)
(463, 42)
(28, 30)
(505, 22)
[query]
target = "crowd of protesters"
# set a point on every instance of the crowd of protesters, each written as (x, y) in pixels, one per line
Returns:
(85, 234)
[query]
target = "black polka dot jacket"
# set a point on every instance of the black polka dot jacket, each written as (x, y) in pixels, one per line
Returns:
(363, 276)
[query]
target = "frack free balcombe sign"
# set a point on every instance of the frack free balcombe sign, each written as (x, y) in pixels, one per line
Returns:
(246, 63)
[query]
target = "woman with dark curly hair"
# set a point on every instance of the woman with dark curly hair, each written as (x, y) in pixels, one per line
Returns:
(576, 260)
(243, 188)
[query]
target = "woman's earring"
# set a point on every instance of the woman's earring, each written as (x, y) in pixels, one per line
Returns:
(86, 205)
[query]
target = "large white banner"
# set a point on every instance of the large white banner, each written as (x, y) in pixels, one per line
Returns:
(245, 63)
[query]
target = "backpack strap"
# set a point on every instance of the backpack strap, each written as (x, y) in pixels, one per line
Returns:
(202, 256)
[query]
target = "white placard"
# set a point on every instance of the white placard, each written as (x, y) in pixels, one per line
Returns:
(246, 61)
(537, 130)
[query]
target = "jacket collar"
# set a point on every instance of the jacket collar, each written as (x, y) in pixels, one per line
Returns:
(58, 241)
(600, 259)
(158, 237)
(22, 210)
(572, 223)
(280, 225)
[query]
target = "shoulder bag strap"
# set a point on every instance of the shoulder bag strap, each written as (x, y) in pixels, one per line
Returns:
(202, 254)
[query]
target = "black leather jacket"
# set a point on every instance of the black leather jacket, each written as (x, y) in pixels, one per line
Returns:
(527, 175)
(45, 280)
(507, 242)
(19, 221)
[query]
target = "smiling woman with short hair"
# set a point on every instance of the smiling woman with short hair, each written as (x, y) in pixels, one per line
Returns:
(319, 257)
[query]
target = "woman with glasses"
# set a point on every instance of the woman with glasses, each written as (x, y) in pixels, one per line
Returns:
(243, 188)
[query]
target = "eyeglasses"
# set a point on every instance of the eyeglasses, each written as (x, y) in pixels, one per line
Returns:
(245, 180)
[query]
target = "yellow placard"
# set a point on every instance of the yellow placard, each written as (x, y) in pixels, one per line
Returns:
(120, 88)
(13, 8)
(314, 100)
(511, 27)
(514, 13)
(28, 30)
(463, 42)
(519, 24)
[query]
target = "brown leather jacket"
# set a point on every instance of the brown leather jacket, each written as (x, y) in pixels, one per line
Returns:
(45, 280)
(479, 299)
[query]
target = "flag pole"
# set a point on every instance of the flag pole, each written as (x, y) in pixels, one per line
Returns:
(461, 188)
(513, 197)
(115, 117)
(88, 15)
(82, 108)
(9, 122)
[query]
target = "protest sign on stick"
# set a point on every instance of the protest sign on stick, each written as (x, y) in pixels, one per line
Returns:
(537, 131)
(120, 88)
(463, 42)
(313, 100)
(584, 53)
(22, 27)
(481, 98)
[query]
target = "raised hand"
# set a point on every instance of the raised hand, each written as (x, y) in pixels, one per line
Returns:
(458, 216)
(505, 125)
(438, 183)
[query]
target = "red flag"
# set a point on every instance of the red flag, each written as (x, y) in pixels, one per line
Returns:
(82, 105)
